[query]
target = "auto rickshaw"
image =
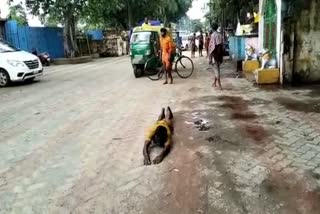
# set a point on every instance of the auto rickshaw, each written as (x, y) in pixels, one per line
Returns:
(144, 43)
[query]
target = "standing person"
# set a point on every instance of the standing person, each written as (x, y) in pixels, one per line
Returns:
(207, 42)
(216, 54)
(201, 41)
(146, 22)
(167, 53)
(179, 43)
(193, 46)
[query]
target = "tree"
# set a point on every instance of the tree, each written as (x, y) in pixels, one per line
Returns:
(229, 11)
(175, 9)
(65, 12)
(18, 13)
(49, 21)
(197, 26)
(126, 13)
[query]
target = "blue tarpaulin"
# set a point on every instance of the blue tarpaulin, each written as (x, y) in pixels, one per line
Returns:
(96, 35)
(152, 22)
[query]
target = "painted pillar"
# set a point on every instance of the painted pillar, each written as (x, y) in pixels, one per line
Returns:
(279, 34)
(261, 24)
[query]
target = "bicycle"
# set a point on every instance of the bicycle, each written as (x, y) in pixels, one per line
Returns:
(184, 67)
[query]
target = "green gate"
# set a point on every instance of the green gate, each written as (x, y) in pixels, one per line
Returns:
(270, 26)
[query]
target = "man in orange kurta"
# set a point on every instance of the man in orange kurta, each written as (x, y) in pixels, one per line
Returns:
(167, 53)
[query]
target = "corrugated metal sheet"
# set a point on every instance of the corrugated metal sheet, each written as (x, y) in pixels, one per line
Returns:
(237, 47)
(43, 39)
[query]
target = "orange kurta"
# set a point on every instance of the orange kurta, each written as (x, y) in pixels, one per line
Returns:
(167, 48)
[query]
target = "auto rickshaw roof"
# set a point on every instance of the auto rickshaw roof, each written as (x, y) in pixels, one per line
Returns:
(148, 28)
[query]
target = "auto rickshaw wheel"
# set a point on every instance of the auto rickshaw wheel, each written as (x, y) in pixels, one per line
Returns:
(138, 71)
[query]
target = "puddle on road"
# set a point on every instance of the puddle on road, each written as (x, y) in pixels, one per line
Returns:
(307, 106)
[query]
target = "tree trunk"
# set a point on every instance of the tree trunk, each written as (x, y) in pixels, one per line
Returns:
(70, 44)
(66, 42)
(130, 18)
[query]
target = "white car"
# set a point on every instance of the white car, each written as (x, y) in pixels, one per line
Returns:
(17, 65)
(185, 43)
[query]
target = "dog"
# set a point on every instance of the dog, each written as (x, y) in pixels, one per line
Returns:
(160, 134)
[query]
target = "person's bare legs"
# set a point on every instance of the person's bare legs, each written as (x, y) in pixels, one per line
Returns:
(218, 77)
(170, 73)
(215, 82)
(166, 77)
(166, 74)
(170, 76)
(169, 117)
(162, 115)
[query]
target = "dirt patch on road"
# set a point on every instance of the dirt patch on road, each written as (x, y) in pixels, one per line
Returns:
(247, 118)
(255, 131)
(293, 195)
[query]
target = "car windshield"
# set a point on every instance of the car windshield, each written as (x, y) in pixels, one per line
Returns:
(141, 37)
(5, 47)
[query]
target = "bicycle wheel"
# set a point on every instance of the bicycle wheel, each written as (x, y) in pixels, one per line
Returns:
(153, 68)
(184, 67)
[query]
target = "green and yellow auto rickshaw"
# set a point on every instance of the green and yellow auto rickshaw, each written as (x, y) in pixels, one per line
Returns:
(144, 44)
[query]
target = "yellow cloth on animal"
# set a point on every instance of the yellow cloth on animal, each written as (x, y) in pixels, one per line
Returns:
(152, 131)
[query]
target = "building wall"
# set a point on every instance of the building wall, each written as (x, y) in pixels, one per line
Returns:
(306, 66)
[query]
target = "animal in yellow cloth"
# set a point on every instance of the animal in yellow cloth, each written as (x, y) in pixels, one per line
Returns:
(159, 134)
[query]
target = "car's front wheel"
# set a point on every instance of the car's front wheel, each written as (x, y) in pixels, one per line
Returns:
(4, 78)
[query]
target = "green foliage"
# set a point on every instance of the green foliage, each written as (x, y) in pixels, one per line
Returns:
(59, 9)
(230, 10)
(197, 26)
(104, 13)
(126, 13)
(49, 21)
(18, 13)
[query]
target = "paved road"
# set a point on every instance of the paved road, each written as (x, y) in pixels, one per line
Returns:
(72, 143)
